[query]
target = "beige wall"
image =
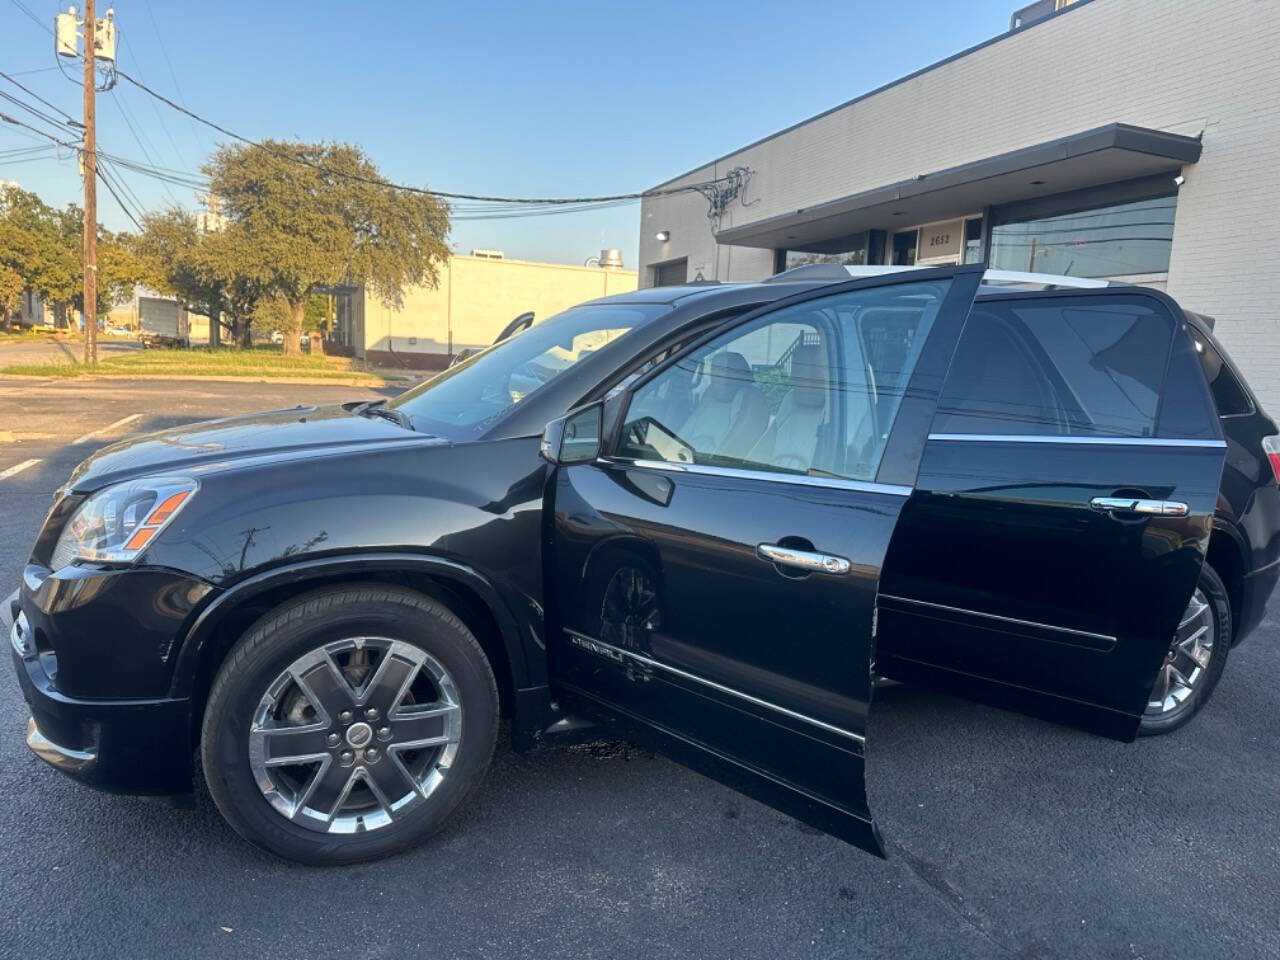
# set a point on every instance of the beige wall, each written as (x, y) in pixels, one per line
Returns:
(1207, 67)
(478, 297)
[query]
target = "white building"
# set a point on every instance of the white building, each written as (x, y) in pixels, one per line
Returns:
(1117, 138)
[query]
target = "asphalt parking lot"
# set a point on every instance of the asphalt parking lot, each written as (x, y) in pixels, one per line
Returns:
(1008, 836)
(60, 350)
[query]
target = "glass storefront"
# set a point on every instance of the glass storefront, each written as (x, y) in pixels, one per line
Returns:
(1128, 238)
(798, 258)
(856, 249)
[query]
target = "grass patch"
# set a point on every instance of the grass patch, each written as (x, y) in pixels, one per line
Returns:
(259, 361)
(28, 333)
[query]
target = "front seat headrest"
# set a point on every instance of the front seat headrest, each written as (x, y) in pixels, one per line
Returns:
(809, 375)
(730, 372)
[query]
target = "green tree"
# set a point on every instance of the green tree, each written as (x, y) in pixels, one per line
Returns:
(43, 246)
(200, 269)
(11, 289)
(34, 245)
(312, 220)
(229, 257)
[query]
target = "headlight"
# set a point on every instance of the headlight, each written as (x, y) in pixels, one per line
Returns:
(115, 524)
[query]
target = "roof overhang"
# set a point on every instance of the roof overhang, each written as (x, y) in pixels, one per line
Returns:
(1109, 154)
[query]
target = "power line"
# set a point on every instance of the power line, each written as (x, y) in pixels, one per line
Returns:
(106, 182)
(50, 154)
(30, 92)
(34, 19)
(34, 111)
(164, 52)
(378, 182)
(138, 140)
(126, 188)
(194, 182)
(124, 40)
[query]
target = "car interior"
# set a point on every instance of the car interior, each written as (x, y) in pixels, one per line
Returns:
(812, 392)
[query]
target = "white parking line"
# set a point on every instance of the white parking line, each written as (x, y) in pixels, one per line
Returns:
(17, 468)
(107, 429)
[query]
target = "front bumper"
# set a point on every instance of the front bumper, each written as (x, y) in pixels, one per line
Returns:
(124, 746)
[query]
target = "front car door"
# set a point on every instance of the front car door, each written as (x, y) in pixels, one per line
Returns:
(712, 576)
(1048, 554)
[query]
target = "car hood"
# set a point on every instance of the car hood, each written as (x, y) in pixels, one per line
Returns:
(214, 445)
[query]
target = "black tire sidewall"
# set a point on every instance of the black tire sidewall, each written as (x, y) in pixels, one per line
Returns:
(299, 627)
(1215, 592)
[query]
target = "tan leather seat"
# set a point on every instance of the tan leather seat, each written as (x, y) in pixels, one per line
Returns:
(791, 442)
(731, 414)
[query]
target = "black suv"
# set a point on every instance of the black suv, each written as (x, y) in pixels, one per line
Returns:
(709, 516)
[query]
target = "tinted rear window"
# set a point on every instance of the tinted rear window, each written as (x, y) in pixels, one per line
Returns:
(1068, 367)
(1228, 393)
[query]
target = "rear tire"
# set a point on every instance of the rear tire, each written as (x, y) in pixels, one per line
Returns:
(1176, 698)
(385, 700)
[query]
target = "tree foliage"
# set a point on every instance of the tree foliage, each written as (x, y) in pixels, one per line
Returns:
(307, 223)
(11, 288)
(200, 269)
(44, 247)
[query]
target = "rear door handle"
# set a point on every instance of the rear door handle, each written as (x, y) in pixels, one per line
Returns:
(806, 560)
(1151, 508)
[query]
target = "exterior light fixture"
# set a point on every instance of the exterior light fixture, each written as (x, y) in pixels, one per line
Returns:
(662, 236)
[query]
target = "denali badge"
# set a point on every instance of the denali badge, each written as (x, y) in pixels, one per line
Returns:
(599, 649)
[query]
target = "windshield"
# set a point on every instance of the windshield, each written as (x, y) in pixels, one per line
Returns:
(464, 400)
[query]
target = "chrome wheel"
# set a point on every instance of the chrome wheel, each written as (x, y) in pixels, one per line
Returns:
(1187, 662)
(353, 735)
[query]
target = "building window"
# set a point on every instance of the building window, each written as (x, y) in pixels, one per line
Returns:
(671, 274)
(1119, 239)
(844, 251)
(973, 240)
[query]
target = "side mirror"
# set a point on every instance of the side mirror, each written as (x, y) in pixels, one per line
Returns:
(575, 437)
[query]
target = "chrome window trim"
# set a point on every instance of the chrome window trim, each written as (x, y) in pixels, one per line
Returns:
(750, 698)
(832, 483)
(995, 616)
(1112, 441)
(860, 271)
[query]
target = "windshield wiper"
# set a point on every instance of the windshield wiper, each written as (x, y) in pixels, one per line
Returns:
(375, 408)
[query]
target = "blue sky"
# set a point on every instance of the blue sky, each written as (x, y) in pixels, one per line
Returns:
(532, 99)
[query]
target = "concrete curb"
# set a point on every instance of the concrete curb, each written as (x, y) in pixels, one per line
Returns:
(354, 381)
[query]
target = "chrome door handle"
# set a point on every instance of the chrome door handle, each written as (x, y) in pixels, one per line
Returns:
(805, 560)
(1151, 508)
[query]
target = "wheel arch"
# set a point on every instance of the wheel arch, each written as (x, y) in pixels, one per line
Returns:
(1226, 554)
(509, 642)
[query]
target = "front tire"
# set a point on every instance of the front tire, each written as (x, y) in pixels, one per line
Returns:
(348, 724)
(1195, 661)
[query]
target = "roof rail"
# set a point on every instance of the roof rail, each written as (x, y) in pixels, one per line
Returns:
(988, 276)
(1043, 279)
(810, 271)
(834, 271)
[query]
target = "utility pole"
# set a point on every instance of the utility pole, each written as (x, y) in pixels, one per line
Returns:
(90, 192)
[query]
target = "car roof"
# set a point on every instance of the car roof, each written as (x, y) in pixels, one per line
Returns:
(694, 304)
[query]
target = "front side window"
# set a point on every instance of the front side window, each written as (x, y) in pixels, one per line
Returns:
(812, 389)
(1086, 367)
(463, 400)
